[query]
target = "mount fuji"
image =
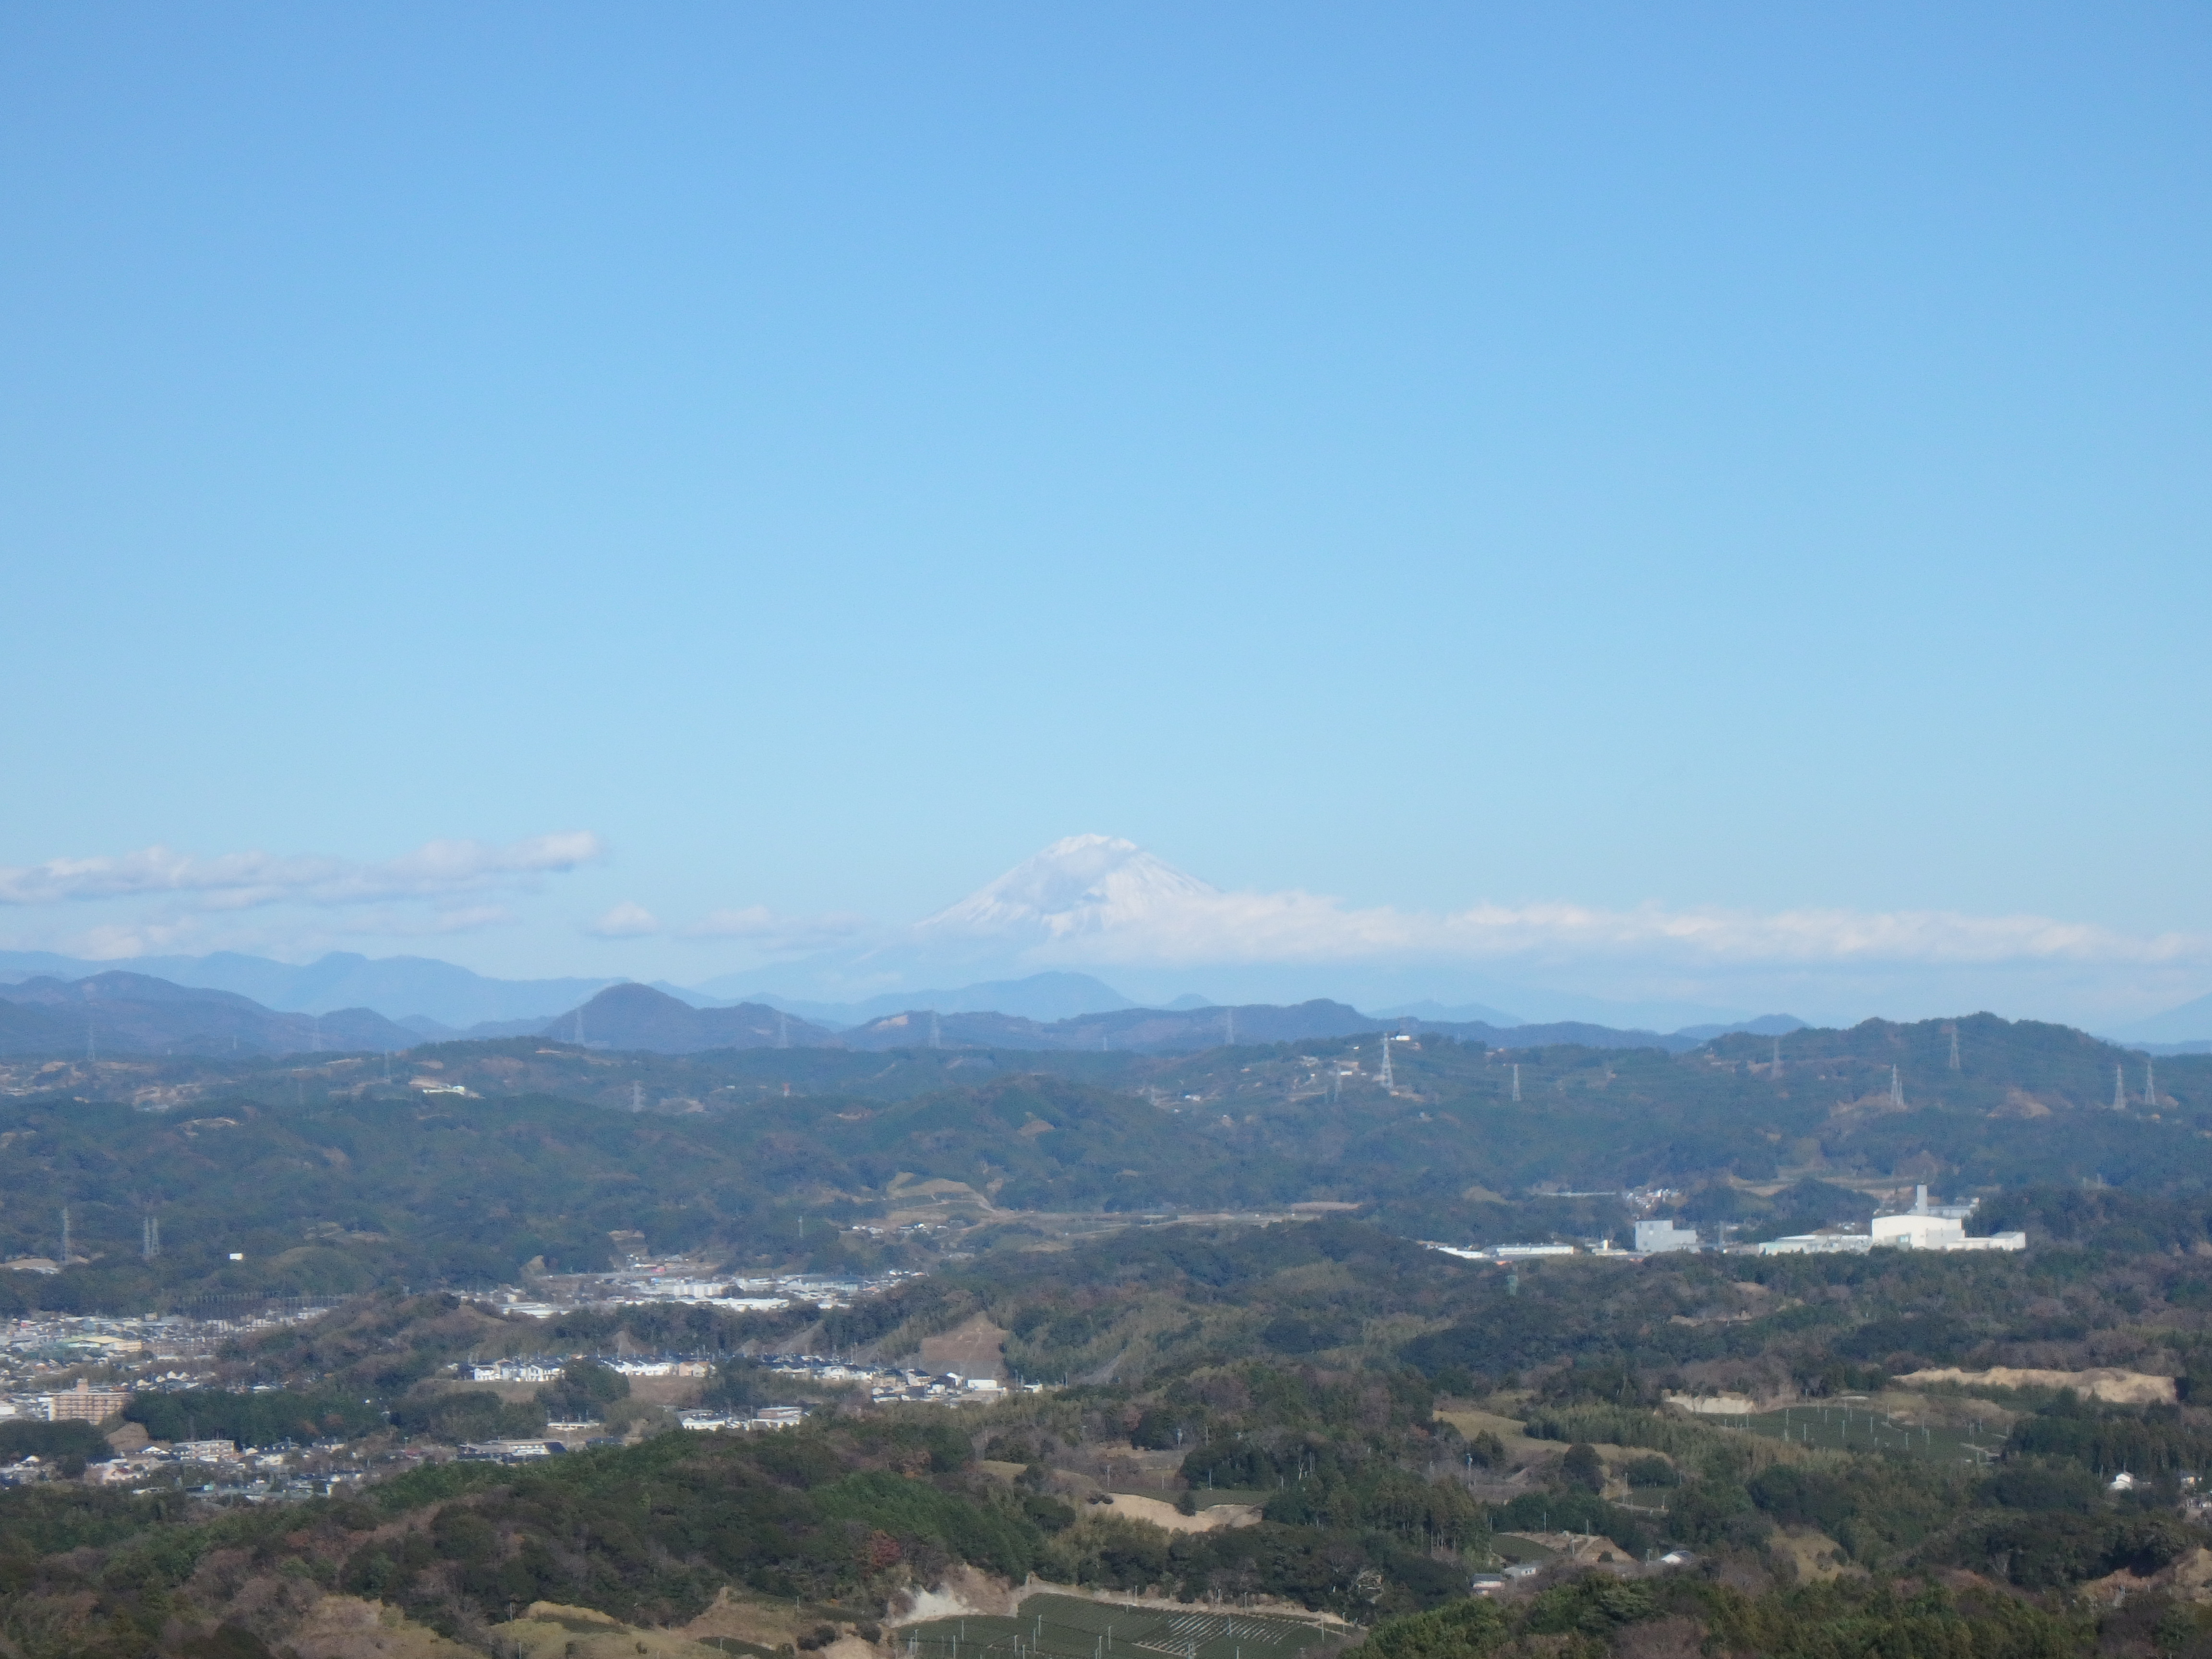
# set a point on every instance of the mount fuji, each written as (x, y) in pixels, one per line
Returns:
(1081, 887)
(1100, 904)
(1081, 898)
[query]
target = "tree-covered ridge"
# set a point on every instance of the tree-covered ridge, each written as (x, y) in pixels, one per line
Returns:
(650, 1534)
(1686, 1614)
(1397, 1419)
(327, 1179)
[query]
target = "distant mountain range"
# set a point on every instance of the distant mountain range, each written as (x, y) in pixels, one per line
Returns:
(1028, 945)
(639, 1017)
(1048, 996)
(2184, 1030)
(396, 986)
(1145, 1031)
(120, 1013)
(396, 1002)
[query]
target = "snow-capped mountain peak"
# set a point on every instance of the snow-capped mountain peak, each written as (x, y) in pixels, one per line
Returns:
(1079, 884)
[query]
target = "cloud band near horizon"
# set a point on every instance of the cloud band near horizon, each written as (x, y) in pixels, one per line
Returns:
(1098, 902)
(239, 881)
(1298, 927)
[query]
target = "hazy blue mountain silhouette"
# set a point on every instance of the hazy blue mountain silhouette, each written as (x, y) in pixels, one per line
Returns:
(119, 1012)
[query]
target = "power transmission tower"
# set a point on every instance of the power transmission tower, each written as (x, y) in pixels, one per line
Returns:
(65, 1236)
(1896, 1088)
(150, 1235)
(1389, 1081)
(1954, 1049)
(637, 1096)
(782, 1029)
(936, 1031)
(91, 1043)
(1777, 1069)
(1516, 1079)
(2119, 1090)
(1229, 1021)
(2150, 1084)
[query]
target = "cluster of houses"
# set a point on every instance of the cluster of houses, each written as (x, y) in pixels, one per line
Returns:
(644, 1283)
(547, 1367)
(889, 1385)
(768, 1417)
(284, 1470)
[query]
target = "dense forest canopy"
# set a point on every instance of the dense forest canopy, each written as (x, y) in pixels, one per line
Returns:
(326, 1179)
(1214, 1262)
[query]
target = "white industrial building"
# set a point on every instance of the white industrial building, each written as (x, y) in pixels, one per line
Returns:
(1928, 1226)
(1925, 1226)
(1657, 1238)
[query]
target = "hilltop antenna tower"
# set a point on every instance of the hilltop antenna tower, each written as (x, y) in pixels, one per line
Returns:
(1896, 1087)
(1516, 1079)
(2119, 1090)
(1389, 1081)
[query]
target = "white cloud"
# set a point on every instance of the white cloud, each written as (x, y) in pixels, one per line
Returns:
(1097, 900)
(239, 881)
(625, 921)
(776, 934)
(1298, 926)
(193, 933)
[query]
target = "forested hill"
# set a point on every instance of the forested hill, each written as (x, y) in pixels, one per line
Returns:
(327, 1175)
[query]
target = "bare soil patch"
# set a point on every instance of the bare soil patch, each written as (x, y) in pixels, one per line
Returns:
(975, 1347)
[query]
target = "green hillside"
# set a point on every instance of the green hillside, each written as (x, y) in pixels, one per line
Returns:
(1391, 1419)
(327, 1178)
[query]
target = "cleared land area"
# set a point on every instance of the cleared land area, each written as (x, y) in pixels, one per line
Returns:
(1069, 1627)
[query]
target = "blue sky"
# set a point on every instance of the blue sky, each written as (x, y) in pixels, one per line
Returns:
(1737, 461)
